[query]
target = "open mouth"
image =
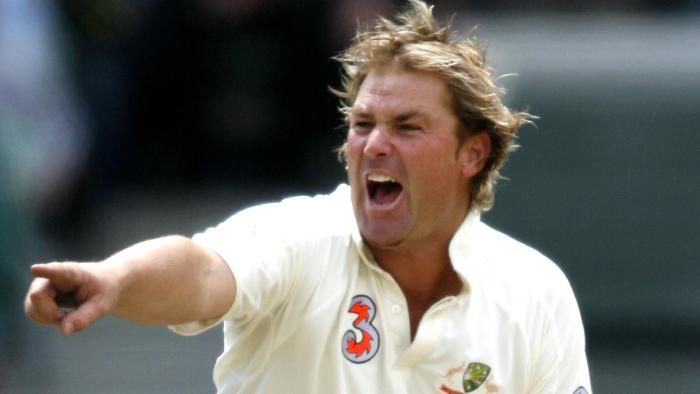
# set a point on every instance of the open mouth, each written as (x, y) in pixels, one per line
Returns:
(383, 189)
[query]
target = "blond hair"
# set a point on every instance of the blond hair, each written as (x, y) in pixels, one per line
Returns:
(415, 41)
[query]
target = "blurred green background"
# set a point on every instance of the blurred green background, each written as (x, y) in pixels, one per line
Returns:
(122, 120)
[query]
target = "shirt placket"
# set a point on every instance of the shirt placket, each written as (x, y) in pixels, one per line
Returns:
(430, 331)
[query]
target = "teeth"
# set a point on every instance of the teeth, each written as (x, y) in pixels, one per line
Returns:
(380, 178)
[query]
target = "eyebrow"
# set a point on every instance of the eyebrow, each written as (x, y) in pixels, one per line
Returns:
(402, 117)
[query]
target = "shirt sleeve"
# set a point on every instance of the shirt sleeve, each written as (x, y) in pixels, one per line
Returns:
(252, 244)
(561, 365)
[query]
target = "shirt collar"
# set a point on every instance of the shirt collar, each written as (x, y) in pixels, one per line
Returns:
(363, 250)
(462, 248)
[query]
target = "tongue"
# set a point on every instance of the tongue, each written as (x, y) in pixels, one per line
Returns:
(387, 192)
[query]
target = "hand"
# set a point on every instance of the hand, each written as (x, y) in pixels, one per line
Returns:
(91, 288)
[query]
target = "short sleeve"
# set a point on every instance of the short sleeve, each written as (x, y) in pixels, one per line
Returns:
(256, 250)
(562, 365)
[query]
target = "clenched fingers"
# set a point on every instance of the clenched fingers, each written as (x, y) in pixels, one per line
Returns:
(40, 304)
(83, 317)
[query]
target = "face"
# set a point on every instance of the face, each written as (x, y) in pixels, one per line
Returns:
(408, 172)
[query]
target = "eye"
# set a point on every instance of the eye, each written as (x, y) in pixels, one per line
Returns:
(409, 127)
(362, 127)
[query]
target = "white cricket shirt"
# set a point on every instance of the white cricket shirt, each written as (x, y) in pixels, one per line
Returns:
(314, 313)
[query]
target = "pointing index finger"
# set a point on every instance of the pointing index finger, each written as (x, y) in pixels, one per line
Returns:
(65, 277)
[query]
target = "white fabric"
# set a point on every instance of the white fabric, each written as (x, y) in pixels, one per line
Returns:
(299, 263)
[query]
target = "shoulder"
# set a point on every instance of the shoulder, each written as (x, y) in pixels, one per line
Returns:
(538, 298)
(522, 273)
(517, 261)
(299, 217)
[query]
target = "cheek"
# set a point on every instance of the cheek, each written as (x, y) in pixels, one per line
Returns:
(353, 154)
(435, 160)
(353, 149)
(436, 172)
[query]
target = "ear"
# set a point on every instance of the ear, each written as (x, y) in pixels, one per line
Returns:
(473, 153)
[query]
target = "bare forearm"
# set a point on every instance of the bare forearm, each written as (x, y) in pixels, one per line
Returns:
(170, 280)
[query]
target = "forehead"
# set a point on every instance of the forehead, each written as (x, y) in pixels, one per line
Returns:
(396, 90)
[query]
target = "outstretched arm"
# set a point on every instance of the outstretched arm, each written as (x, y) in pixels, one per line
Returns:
(167, 280)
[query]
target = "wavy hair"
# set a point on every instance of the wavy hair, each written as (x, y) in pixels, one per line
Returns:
(415, 41)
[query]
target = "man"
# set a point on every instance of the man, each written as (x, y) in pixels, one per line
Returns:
(389, 285)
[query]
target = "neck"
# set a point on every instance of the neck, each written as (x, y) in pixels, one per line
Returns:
(420, 275)
(424, 278)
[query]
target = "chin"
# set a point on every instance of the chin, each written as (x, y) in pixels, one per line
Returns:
(382, 239)
(383, 244)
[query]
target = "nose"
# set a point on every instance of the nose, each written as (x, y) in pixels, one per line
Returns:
(378, 143)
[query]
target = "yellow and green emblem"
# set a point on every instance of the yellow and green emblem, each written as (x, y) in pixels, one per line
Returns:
(474, 376)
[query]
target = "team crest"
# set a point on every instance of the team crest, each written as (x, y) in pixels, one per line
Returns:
(474, 376)
(363, 348)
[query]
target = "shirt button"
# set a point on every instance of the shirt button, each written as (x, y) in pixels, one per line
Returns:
(396, 309)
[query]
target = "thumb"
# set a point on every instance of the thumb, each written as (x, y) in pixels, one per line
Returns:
(65, 277)
(83, 317)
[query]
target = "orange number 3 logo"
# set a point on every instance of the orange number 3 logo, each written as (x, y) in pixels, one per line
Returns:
(362, 350)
